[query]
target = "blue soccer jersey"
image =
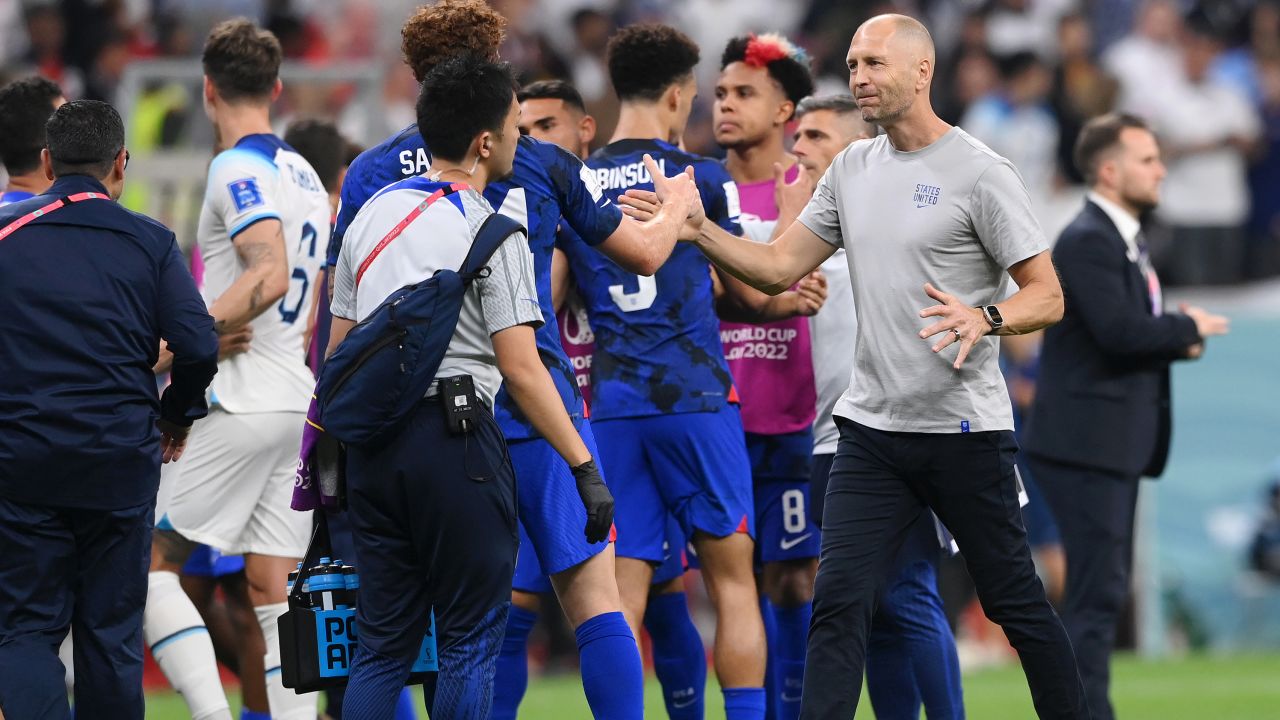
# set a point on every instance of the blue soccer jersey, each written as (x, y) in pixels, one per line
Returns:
(658, 347)
(547, 185)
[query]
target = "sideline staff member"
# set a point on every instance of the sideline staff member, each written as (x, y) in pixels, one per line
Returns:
(1101, 416)
(87, 291)
(922, 204)
(434, 513)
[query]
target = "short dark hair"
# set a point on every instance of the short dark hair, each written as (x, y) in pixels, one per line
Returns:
(25, 106)
(241, 60)
(321, 145)
(644, 60)
(787, 64)
(553, 90)
(462, 97)
(840, 104)
(1097, 137)
(84, 137)
(437, 32)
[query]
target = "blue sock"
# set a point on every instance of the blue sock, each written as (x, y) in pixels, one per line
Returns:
(247, 714)
(612, 677)
(770, 658)
(512, 677)
(679, 659)
(792, 640)
(744, 703)
(404, 706)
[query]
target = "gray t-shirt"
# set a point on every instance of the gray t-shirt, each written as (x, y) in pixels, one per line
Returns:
(438, 239)
(955, 214)
(833, 334)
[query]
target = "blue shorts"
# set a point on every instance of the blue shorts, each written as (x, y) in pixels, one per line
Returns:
(674, 565)
(780, 469)
(551, 511)
(207, 562)
(691, 466)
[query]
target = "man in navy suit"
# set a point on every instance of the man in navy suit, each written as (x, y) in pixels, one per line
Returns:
(1101, 417)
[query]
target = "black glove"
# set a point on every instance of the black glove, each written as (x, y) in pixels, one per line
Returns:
(597, 499)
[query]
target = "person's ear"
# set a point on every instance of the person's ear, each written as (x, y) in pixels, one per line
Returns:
(586, 130)
(484, 144)
(672, 96)
(926, 74)
(786, 111)
(210, 95)
(46, 164)
(118, 167)
(276, 90)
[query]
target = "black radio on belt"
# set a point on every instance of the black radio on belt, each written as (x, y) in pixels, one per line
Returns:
(461, 404)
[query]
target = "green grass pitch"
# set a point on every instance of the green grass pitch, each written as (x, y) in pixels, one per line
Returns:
(1195, 688)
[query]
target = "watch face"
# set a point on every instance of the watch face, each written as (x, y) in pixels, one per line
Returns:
(994, 313)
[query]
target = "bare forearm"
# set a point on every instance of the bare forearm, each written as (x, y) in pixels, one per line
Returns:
(642, 247)
(248, 297)
(756, 264)
(536, 395)
(1035, 306)
(770, 309)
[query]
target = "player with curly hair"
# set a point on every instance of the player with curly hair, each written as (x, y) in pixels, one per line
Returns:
(548, 186)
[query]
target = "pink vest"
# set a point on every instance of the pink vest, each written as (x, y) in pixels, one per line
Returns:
(772, 364)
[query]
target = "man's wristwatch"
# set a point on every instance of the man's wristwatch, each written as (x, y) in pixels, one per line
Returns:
(993, 316)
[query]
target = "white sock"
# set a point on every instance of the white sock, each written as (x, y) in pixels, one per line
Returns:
(285, 703)
(175, 632)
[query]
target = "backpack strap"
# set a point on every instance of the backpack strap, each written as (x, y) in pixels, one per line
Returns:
(404, 223)
(492, 233)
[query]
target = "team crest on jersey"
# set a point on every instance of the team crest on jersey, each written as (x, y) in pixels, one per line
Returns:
(926, 195)
(245, 193)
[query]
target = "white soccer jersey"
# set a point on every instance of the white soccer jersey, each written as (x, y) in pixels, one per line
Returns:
(259, 179)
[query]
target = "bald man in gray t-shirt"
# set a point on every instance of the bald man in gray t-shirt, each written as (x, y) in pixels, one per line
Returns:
(926, 214)
(954, 214)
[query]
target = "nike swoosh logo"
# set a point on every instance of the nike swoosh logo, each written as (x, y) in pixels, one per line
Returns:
(788, 544)
(790, 698)
(920, 206)
(680, 705)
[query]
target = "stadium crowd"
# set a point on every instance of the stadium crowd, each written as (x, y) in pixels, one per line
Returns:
(674, 317)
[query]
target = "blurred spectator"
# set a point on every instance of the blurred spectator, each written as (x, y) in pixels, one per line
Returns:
(108, 67)
(1148, 62)
(967, 72)
(1207, 129)
(526, 49)
(591, 32)
(1262, 251)
(1017, 122)
(47, 35)
(1081, 89)
(1015, 26)
(1264, 551)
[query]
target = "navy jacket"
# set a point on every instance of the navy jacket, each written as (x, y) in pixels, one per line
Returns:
(1102, 395)
(86, 294)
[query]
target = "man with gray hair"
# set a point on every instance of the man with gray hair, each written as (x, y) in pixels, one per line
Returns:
(928, 423)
